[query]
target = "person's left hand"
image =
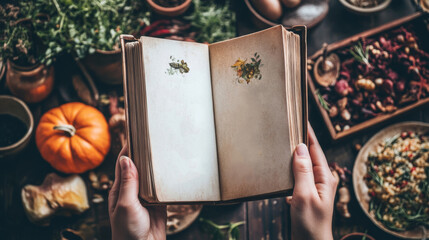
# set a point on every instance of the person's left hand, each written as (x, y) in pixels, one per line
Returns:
(128, 218)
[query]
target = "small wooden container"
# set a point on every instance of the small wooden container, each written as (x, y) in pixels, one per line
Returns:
(417, 17)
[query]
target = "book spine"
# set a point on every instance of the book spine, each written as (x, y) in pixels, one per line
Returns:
(301, 30)
(124, 38)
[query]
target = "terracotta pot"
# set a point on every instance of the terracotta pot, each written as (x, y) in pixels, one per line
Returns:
(356, 236)
(31, 84)
(17, 108)
(169, 11)
(105, 66)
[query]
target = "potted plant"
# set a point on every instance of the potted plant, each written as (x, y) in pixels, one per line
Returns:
(22, 50)
(90, 30)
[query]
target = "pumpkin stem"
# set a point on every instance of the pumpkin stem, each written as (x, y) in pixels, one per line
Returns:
(66, 128)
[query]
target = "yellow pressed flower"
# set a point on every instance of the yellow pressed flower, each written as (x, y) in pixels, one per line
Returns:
(239, 63)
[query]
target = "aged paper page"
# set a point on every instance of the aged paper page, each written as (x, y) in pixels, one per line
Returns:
(181, 121)
(248, 81)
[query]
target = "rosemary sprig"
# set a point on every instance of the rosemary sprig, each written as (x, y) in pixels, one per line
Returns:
(390, 141)
(377, 179)
(364, 236)
(322, 101)
(360, 54)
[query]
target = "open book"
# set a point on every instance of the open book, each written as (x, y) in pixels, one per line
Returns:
(218, 122)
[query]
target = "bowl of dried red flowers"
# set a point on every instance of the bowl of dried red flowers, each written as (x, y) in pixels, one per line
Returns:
(169, 8)
(365, 6)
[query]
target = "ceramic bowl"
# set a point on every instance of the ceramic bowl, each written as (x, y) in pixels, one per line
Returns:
(362, 10)
(308, 12)
(17, 108)
(169, 11)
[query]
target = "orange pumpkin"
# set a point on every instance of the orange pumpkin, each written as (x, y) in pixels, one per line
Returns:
(73, 138)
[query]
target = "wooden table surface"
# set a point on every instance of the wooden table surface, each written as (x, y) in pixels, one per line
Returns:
(266, 219)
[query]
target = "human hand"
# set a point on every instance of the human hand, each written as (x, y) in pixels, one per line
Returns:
(313, 197)
(128, 218)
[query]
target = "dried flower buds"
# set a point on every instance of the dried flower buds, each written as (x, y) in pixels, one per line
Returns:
(333, 111)
(345, 114)
(342, 87)
(365, 84)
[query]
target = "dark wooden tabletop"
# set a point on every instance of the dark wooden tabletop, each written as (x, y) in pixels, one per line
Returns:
(266, 219)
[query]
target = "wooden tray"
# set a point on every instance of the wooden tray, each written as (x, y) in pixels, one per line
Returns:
(360, 170)
(376, 120)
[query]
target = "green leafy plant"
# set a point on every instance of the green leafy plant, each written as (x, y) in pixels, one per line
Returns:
(211, 21)
(81, 27)
(228, 231)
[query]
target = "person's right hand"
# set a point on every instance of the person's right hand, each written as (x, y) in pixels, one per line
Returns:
(313, 197)
(128, 218)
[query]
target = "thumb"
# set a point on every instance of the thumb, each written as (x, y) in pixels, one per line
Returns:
(303, 170)
(129, 185)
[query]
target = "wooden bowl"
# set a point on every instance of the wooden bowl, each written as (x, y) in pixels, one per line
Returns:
(360, 170)
(308, 12)
(169, 11)
(357, 236)
(362, 10)
(185, 220)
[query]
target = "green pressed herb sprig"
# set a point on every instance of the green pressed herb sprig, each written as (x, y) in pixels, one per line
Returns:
(228, 231)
